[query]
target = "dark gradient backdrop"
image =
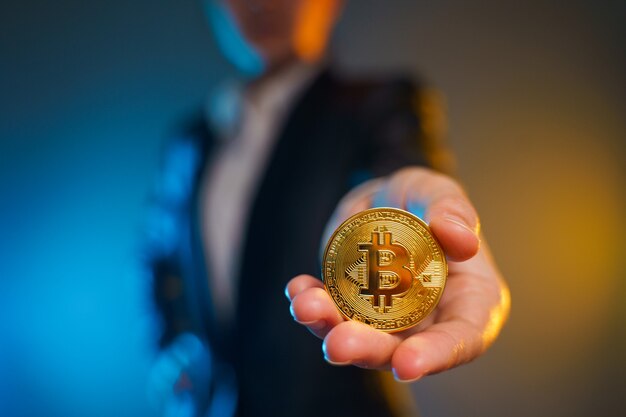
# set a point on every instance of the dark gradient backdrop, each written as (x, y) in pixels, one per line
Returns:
(536, 97)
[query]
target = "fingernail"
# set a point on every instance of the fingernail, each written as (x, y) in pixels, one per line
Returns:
(336, 363)
(457, 221)
(287, 292)
(404, 381)
(363, 365)
(330, 361)
(313, 325)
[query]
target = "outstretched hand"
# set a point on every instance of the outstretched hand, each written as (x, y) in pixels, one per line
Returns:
(472, 309)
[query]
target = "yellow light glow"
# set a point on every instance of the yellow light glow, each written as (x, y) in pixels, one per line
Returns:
(497, 317)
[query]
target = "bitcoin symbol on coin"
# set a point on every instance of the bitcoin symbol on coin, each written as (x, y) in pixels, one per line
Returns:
(384, 268)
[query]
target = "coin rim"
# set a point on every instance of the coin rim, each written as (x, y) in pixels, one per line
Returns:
(410, 215)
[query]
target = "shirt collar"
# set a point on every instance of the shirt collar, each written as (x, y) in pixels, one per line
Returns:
(228, 103)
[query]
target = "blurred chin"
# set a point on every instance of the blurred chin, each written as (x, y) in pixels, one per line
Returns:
(274, 52)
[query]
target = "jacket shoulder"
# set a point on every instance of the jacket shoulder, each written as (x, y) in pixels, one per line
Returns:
(363, 92)
(400, 102)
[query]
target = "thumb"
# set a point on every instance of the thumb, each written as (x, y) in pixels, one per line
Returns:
(441, 202)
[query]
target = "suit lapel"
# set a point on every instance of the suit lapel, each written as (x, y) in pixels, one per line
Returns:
(296, 131)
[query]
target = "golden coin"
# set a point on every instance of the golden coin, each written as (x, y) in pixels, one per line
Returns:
(383, 267)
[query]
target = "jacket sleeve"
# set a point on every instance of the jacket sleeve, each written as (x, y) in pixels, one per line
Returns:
(165, 239)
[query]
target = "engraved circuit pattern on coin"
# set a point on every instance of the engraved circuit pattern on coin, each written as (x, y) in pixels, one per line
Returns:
(383, 267)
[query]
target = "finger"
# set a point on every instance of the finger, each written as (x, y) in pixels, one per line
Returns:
(300, 283)
(314, 309)
(459, 240)
(393, 192)
(441, 202)
(354, 343)
(472, 313)
(442, 346)
(358, 199)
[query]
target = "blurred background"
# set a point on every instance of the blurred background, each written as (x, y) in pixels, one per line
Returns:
(535, 93)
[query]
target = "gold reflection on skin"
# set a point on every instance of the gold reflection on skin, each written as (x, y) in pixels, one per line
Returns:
(497, 318)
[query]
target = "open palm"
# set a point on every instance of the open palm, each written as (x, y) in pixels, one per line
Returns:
(472, 309)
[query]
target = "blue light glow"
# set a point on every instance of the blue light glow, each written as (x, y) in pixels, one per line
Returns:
(416, 208)
(233, 45)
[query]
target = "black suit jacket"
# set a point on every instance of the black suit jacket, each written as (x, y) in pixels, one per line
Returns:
(337, 135)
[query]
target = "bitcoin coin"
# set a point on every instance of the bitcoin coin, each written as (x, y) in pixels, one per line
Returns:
(383, 267)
